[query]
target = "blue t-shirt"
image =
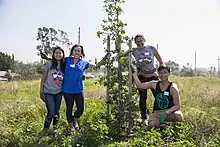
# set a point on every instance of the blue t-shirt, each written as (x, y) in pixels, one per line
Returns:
(72, 81)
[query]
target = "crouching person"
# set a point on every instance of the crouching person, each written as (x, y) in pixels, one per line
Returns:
(167, 100)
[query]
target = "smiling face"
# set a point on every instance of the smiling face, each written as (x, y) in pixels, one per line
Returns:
(77, 52)
(58, 54)
(164, 74)
(140, 41)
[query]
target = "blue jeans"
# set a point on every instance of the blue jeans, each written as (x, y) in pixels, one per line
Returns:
(53, 102)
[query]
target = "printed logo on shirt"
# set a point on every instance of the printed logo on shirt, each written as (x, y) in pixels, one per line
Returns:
(145, 58)
(81, 65)
(58, 77)
(72, 65)
(162, 101)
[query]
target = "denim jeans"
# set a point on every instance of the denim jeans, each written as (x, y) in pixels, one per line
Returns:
(53, 102)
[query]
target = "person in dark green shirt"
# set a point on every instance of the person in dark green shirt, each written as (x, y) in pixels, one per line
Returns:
(167, 100)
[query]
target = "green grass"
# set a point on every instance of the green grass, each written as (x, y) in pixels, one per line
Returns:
(22, 115)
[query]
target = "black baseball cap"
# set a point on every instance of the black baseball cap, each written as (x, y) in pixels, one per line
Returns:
(163, 67)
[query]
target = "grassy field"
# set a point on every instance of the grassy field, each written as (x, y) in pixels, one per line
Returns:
(22, 114)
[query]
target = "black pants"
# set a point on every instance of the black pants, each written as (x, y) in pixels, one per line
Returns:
(79, 100)
(143, 95)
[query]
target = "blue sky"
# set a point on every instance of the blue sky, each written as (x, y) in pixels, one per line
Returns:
(179, 26)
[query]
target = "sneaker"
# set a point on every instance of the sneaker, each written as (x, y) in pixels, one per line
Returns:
(144, 122)
(70, 129)
(55, 134)
(43, 133)
(76, 125)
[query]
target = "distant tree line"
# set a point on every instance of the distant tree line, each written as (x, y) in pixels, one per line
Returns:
(48, 38)
(6, 61)
(188, 71)
(28, 70)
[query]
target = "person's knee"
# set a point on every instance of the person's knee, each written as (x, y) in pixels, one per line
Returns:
(153, 124)
(178, 116)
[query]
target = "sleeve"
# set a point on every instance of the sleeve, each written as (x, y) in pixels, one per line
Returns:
(46, 66)
(152, 47)
(86, 65)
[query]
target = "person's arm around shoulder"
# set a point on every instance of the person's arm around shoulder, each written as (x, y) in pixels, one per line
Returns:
(146, 85)
(176, 99)
(157, 56)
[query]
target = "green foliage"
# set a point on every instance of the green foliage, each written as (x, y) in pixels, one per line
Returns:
(144, 137)
(38, 67)
(49, 38)
(114, 27)
(22, 116)
(28, 70)
(176, 135)
(95, 130)
(175, 69)
(187, 71)
(6, 61)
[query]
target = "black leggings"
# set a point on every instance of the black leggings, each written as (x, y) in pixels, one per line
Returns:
(143, 95)
(69, 99)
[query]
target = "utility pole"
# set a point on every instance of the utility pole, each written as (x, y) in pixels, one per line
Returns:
(79, 35)
(195, 63)
(218, 65)
(157, 63)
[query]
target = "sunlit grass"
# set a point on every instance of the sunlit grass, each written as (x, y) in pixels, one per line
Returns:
(22, 111)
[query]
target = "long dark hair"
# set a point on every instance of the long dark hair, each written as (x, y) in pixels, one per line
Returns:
(54, 61)
(77, 45)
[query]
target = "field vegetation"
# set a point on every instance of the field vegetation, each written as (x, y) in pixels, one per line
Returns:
(22, 115)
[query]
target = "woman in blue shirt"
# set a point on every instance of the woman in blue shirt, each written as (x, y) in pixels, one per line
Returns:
(73, 85)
